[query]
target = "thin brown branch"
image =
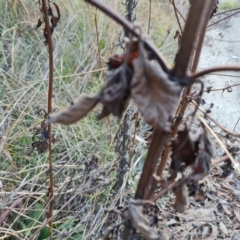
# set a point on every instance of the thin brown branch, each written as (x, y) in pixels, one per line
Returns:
(97, 35)
(182, 107)
(222, 159)
(198, 10)
(178, 183)
(224, 88)
(132, 29)
(176, 15)
(228, 131)
(149, 16)
(156, 146)
(201, 73)
(180, 14)
(223, 19)
(50, 87)
(236, 123)
(5, 214)
(231, 10)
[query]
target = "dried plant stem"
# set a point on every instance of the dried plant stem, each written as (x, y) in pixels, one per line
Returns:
(176, 15)
(50, 86)
(221, 159)
(156, 146)
(201, 73)
(188, 31)
(171, 186)
(234, 163)
(231, 10)
(228, 131)
(179, 13)
(97, 35)
(223, 19)
(132, 151)
(149, 16)
(224, 88)
(5, 214)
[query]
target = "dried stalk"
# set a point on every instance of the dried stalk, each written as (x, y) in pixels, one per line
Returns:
(50, 86)
(228, 131)
(191, 31)
(97, 35)
(223, 19)
(233, 67)
(235, 164)
(149, 16)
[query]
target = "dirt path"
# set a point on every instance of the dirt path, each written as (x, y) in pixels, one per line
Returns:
(222, 47)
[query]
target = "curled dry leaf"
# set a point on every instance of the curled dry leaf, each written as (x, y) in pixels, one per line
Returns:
(213, 234)
(181, 200)
(194, 151)
(115, 95)
(202, 162)
(184, 152)
(139, 221)
(153, 92)
(40, 146)
(118, 59)
(76, 111)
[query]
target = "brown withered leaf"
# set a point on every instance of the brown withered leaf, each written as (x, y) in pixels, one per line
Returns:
(40, 146)
(117, 60)
(184, 151)
(202, 162)
(76, 111)
(195, 151)
(153, 92)
(115, 95)
(181, 200)
(140, 222)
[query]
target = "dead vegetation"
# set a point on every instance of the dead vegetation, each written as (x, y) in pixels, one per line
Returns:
(182, 193)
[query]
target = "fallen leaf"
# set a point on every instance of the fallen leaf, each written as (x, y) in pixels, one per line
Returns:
(226, 210)
(153, 92)
(139, 221)
(198, 214)
(76, 111)
(213, 235)
(223, 228)
(237, 214)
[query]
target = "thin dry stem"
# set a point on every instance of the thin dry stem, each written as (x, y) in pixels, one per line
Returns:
(97, 35)
(176, 15)
(149, 15)
(223, 19)
(50, 87)
(228, 131)
(201, 73)
(234, 162)
(181, 108)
